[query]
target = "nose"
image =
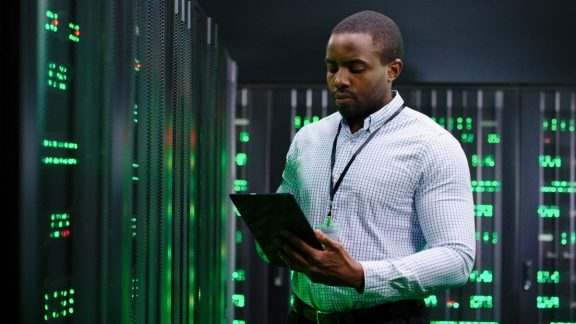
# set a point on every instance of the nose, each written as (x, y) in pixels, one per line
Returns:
(340, 79)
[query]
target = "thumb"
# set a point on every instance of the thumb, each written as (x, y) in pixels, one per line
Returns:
(324, 239)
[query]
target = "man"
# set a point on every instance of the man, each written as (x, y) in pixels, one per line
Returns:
(393, 184)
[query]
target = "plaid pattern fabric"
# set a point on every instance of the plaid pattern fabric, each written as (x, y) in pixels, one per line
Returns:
(404, 208)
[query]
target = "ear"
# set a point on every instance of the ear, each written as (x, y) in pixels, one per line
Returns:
(394, 69)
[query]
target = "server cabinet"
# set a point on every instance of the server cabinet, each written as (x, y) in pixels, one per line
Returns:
(125, 149)
(519, 142)
(547, 215)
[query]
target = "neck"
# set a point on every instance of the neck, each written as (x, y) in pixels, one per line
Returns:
(355, 124)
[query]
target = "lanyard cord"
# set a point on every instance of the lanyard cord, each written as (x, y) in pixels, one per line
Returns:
(334, 188)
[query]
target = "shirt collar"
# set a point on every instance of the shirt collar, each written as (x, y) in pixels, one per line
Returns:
(376, 120)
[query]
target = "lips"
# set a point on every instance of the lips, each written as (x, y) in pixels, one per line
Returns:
(342, 95)
(342, 98)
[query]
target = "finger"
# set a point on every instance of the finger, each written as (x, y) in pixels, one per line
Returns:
(324, 239)
(304, 247)
(320, 235)
(294, 261)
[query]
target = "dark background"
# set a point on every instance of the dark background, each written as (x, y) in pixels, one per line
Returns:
(446, 41)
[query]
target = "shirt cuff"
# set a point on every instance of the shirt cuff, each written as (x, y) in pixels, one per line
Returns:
(376, 276)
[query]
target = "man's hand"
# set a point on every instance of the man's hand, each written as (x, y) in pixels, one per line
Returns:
(334, 266)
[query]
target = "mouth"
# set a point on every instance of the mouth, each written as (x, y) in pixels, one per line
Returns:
(342, 97)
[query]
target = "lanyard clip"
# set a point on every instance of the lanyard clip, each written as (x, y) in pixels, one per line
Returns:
(329, 216)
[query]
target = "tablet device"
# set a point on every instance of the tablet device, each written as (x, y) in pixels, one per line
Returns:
(266, 214)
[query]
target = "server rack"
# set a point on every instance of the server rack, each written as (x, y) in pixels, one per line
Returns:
(524, 271)
(125, 143)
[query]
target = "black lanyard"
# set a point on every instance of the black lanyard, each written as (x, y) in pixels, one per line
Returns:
(334, 188)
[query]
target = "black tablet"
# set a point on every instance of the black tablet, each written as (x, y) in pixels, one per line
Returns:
(266, 214)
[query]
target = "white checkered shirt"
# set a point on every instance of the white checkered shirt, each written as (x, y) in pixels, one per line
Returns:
(404, 208)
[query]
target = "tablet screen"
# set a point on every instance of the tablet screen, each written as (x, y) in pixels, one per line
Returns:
(266, 214)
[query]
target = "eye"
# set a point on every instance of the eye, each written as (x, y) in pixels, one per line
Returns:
(331, 68)
(357, 68)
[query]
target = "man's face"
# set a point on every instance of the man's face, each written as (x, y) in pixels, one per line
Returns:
(360, 84)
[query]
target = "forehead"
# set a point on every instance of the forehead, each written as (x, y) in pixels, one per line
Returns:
(351, 45)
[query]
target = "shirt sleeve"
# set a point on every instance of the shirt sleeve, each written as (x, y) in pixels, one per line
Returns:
(290, 180)
(444, 205)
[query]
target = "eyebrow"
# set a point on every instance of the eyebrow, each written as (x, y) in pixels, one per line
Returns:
(351, 62)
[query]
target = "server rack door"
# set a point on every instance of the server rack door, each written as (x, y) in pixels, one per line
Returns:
(547, 210)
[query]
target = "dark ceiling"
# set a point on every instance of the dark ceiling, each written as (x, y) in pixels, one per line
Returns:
(446, 41)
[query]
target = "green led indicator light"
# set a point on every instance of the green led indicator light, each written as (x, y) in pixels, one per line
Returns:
(485, 276)
(548, 161)
(51, 160)
(566, 237)
(478, 301)
(486, 161)
(315, 119)
(494, 138)
(137, 65)
(135, 113)
(557, 186)
(442, 122)
(467, 138)
(240, 185)
(133, 222)
(238, 322)
(135, 287)
(487, 237)
(551, 211)
(306, 121)
(52, 21)
(431, 301)
(239, 275)
(59, 144)
(547, 302)
(458, 123)
(297, 122)
(486, 186)
(59, 225)
(74, 32)
(57, 76)
(239, 237)
(547, 277)
(241, 159)
(483, 210)
(58, 304)
(452, 304)
(559, 125)
(238, 300)
(244, 137)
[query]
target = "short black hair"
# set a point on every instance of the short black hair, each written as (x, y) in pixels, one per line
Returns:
(383, 30)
